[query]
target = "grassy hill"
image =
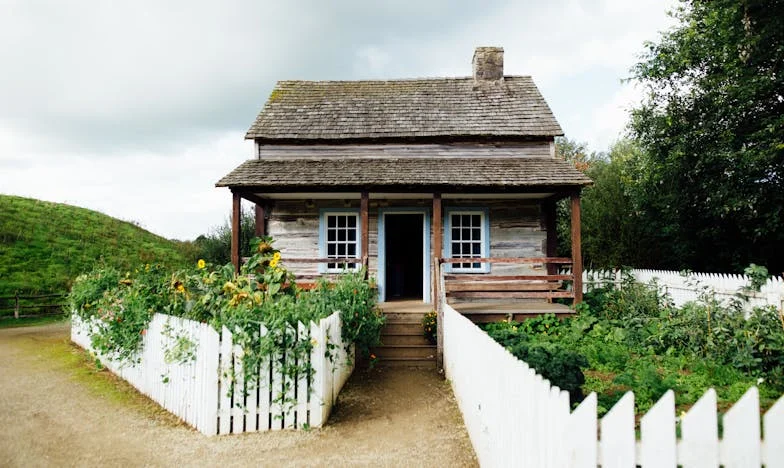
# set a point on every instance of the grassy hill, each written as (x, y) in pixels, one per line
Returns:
(44, 246)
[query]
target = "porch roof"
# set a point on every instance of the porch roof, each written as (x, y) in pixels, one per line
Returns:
(396, 174)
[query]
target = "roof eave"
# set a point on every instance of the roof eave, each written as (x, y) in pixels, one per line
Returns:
(261, 139)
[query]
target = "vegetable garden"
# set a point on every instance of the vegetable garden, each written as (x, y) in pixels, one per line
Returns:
(632, 338)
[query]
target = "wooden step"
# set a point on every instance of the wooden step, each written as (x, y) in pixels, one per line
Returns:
(429, 363)
(405, 316)
(405, 351)
(394, 339)
(400, 327)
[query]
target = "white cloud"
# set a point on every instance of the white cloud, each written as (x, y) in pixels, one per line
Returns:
(607, 123)
(171, 194)
(137, 108)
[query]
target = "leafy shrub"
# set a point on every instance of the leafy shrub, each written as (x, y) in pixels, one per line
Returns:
(430, 327)
(89, 288)
(263, 293)
(355, 298)
(554, 361)
(633, 339)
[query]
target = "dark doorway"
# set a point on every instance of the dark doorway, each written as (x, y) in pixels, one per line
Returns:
(403, 256)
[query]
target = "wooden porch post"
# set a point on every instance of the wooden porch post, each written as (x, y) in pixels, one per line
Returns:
(577, 257)
(438, 233)
(235, 231)
(551, 245)
(261, 227)
(364, 224)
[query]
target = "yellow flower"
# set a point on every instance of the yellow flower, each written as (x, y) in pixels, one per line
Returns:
(180, 287)
(313, 341)
(276, 256)
(274, 262)
(201, 264)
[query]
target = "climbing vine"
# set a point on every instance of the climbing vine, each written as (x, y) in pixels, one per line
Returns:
(264, 293)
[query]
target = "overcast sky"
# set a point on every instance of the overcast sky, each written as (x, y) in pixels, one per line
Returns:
(137, 108)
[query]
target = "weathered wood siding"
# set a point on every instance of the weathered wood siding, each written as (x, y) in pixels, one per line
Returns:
(516, 229)
(531, 149)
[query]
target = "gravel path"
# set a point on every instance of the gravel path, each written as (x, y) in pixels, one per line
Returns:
(57, 410)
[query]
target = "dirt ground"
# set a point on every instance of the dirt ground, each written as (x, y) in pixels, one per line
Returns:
(56, 409)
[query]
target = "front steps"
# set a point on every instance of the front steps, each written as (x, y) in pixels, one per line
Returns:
(402, 342)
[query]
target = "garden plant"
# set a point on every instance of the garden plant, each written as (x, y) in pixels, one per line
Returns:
(632, 338)
(263, 293)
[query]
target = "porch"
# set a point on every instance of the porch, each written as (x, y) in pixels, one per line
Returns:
(478, 233)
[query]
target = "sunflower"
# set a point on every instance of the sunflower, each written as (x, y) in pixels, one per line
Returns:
(201, 264)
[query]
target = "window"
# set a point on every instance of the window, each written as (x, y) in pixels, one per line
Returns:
(340, 231)
(468, 238)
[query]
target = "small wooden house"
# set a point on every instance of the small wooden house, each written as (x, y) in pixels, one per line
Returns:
(414, 178)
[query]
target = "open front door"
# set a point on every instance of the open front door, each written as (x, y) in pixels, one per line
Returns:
(403, 259)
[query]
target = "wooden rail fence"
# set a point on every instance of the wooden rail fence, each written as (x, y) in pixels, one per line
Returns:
(32, 305)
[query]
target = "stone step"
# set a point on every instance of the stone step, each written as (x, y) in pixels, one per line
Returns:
(405, 351)
(394, 339)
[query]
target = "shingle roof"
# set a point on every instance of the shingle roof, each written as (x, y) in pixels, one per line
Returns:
(436, 107)
(334, 174)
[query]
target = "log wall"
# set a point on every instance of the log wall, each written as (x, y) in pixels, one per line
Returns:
(516, 229)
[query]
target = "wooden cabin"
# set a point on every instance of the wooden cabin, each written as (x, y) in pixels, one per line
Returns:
(427, 182)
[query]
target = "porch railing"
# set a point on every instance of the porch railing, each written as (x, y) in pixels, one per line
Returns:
(489, 286)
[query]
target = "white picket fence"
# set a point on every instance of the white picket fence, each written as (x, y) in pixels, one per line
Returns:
(514, 417)
(685, 288)
(208, 390)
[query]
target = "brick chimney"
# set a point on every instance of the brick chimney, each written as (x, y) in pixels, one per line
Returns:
(488, 64)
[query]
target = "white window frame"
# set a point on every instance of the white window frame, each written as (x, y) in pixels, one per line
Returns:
(484, 252)
(324, 241)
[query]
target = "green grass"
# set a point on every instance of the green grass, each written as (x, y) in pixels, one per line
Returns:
(10, 322)
(44, 246)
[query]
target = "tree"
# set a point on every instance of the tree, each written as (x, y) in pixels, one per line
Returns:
(711, 179)
(611, 227)
(215, 247)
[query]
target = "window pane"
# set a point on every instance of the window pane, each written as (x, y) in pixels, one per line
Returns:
(476, 249)
(466, 234)
(476, 234)
(330, 250)
(331, 221)
(351, 221)
(456, 233)
(341, 234)
(352, 235)
(330, 235)
(475, 220)
(341, 221)
(352, 250)
(465, 220)
(455, 249)
(341, 250)
(456, 220)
